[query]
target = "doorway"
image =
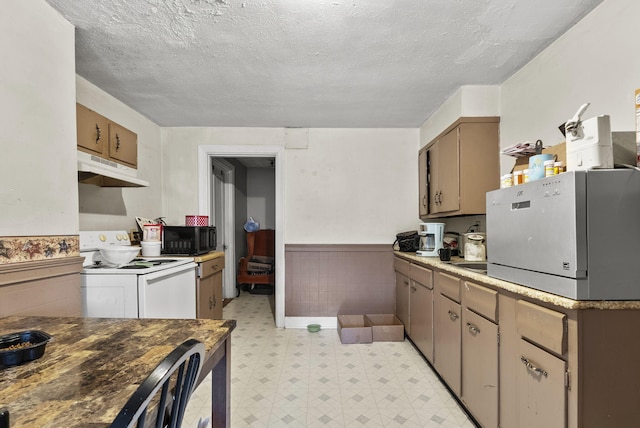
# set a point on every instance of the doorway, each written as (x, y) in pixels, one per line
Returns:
(207, 183)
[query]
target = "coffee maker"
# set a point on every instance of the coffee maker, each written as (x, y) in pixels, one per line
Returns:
(431, 235)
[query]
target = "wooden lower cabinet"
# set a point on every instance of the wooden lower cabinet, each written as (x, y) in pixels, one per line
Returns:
(541, 388)
(519, 362)
(480, 367)
(447, 341)
(402, 293)
(209, 289)
(421, 310)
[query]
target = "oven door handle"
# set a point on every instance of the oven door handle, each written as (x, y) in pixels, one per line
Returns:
(171, 271)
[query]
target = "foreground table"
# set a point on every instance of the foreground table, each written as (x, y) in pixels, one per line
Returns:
(93, 365)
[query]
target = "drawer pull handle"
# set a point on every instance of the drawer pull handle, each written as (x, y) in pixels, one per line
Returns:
(406, 282)
(472, 328)
(533, 368)
(453, 316)
(414, 289)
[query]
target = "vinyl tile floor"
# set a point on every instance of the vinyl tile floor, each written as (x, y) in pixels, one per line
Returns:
(293, 378)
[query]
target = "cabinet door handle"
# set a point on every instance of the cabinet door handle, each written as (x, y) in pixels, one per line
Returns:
(424, 200)
(533, 368)
(117, 142)
(414, 289)
(453, 315)
(405, 282)
(211, 303)
(472, 328)
(98, 133)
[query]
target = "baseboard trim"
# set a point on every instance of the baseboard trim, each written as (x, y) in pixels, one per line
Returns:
(326, 323)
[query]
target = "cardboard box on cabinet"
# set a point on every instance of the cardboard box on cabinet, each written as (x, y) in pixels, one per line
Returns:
(352, 329)
(385, 327)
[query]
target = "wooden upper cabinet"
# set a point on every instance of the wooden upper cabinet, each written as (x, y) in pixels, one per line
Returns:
(423, 187)
(462, 165)
(92, 129)
(123, 145)
(102, 137)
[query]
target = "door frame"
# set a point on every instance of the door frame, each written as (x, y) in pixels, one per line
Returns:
(204, 200)
(228, 170)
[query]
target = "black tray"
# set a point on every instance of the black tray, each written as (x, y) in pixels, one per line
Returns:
(13, 357)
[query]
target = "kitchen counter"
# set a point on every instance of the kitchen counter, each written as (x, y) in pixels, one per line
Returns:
(209, 256)
(434, 262)
(92, 366)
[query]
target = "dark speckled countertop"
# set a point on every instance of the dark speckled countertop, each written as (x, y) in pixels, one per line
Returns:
(92, 365)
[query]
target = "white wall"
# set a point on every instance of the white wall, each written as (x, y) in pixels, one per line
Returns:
(467, 101)
(116, 208)
(596, 61)
(348, 186)
(38, 194)
(261, 196)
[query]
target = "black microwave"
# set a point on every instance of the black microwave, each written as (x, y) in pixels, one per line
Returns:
(188, 240)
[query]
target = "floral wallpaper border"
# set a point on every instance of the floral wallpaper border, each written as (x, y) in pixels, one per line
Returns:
(16, 249)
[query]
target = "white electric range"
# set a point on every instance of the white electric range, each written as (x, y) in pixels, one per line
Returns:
(148, 287)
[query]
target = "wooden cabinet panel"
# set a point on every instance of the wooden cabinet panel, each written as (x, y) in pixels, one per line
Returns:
(402, 300)
(448, 285)
(542, 326)
(481, 300)
(423, 185)
(540, 388)
(209, 289)
(421, 275)
(401, 266)
(92, 129)
(480, 367)
(421, 314)
(448, 197)
(447, 341)
(123, 145)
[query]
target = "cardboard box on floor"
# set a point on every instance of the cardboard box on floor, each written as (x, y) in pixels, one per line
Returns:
(352, 329)
(559, 150)
(385, 327)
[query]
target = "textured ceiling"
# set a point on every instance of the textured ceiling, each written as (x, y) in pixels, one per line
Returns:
(303, 63)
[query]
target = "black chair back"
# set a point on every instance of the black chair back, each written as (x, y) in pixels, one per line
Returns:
(175, 377)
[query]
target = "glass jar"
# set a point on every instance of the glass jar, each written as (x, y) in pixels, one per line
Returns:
(474, 249)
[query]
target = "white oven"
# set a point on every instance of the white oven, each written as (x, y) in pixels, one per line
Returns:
(150, 287)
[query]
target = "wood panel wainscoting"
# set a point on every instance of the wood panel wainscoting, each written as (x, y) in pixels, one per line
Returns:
(325, 280)
(41, 287)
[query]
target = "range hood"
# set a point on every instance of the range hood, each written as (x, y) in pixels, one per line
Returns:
(105, 173)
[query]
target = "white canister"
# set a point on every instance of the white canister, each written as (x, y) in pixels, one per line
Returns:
(150, 248)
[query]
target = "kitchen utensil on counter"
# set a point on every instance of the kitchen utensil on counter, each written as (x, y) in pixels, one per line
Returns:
(431, 239)
(474, 249)
(445, 254)
(464, 239)
(119, 255)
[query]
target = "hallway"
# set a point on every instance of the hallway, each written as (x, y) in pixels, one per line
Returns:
(293, 378)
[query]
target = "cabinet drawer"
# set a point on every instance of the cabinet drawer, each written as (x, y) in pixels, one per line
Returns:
(421, 275)
(542, 326)
(212, 266)
(481, 300)
(401, 266)
(448, 285)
